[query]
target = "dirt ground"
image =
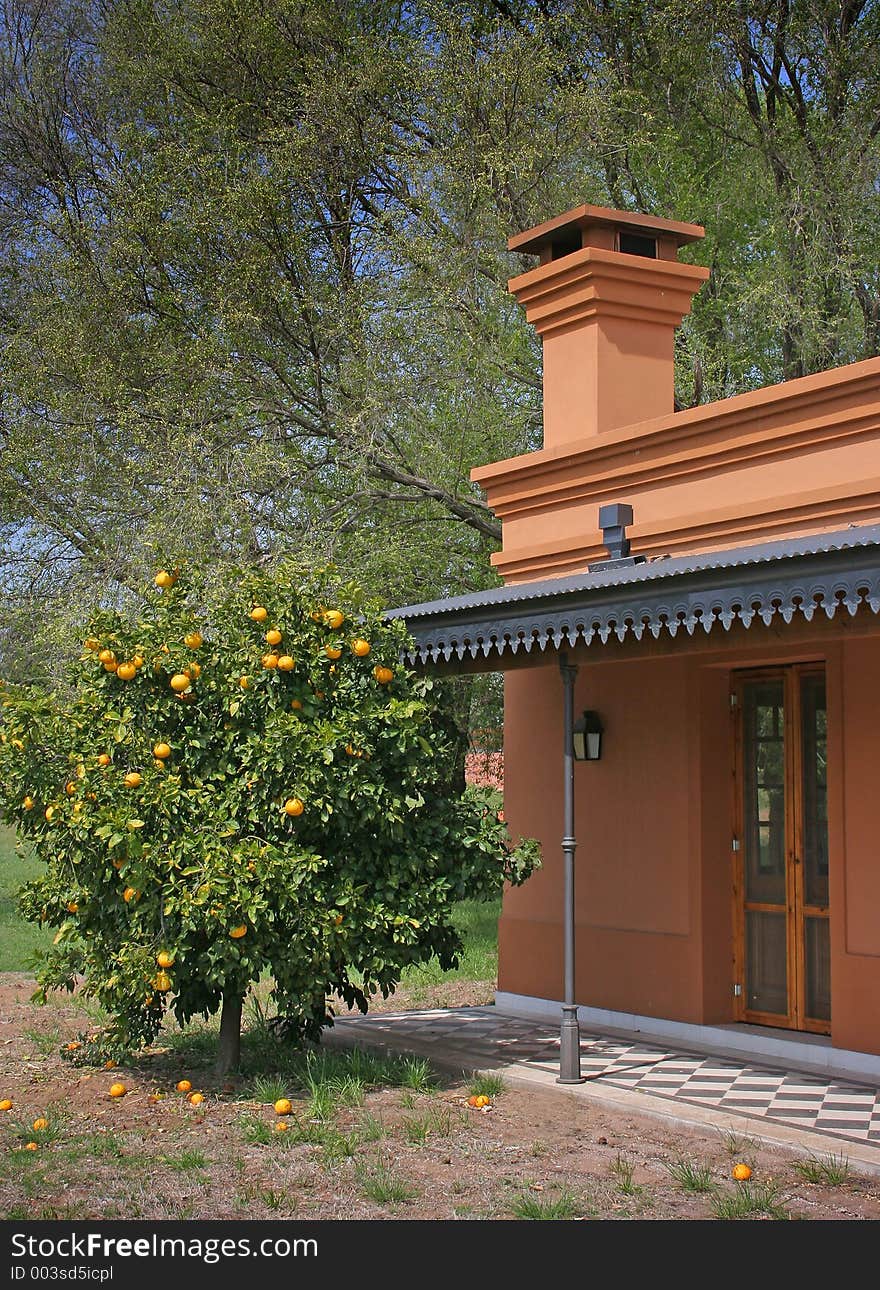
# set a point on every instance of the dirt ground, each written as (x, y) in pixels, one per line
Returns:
(397, 1153)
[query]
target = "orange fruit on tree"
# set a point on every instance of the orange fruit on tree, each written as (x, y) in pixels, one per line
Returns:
(382, 674)
(333, 651)
(162, 982)
(269, 661)
(286, 663)
(106, 656)
(244, 682)
(238, 932)
(130, 894)
(333, 618)
(117, 1090)
(296, 704)
(40, 1124)
(138, 660)
(360, 647)
(741, 1172)
(133, 779)
(28, 803)
(103, 759)
(126, 671)
(111, 667)
(193, 671)
(117, 862)
(183, 1086)
(165, 959)
(161, 750)
(180, 682)
(293, 806)
(196, 1099)
(259, 613)
(273, 636)
(193, 640)
(283, 1106)
(91, 643)
(72, 907)
(6, 1104)
(49, 812)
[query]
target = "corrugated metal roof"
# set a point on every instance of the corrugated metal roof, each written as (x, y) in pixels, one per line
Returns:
(659, 567)
(787, 577)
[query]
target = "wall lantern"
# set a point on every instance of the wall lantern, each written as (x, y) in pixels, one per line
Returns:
(587, 737)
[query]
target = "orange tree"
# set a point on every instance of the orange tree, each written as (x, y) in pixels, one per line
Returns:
(240, 784)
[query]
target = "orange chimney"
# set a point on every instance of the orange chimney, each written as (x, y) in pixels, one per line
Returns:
(606, 299)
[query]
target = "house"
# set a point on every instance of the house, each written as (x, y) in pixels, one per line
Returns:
(705, 584)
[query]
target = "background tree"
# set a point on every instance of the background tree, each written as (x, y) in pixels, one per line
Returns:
(245, 781)
(253, 267)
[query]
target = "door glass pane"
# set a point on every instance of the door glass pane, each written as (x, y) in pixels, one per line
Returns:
(817, 966)
(764, 791)
(814, 745)
(766, 973)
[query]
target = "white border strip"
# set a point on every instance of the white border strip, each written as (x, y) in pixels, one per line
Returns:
(807, 1052)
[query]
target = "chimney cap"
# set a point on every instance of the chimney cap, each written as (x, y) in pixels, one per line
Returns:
(533, 240)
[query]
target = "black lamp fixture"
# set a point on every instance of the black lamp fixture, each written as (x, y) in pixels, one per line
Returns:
(586, 737)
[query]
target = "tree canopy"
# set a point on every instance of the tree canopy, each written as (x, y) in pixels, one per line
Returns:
(253, 258)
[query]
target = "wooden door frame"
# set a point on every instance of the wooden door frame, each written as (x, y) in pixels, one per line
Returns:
(795, 908)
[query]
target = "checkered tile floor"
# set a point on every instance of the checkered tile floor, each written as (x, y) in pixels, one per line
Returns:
(837, 1108)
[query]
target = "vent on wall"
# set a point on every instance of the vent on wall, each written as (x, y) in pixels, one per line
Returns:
(567, 242)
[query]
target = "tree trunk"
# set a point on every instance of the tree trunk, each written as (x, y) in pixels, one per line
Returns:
(229, 1046)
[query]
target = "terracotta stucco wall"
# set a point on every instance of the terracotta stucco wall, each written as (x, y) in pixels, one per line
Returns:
(638, 885)
(654, 824)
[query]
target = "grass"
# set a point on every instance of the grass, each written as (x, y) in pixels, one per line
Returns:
(439, 1121)
(477, 920)
(186, 1160)
(623, 1171)
(20, 942)
(749, 1200)
(828, 1171)
(692, 1177)
(378, 1183)
(563, 1205)
(486, 1085)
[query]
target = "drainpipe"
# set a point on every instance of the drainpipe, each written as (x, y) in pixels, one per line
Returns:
(569, 1036)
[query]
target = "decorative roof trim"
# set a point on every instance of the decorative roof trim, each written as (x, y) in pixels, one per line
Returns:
(698, 595)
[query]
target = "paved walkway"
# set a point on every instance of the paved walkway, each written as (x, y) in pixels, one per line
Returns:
(803, 1111)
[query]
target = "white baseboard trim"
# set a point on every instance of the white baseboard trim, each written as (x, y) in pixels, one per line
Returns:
(798, 1050)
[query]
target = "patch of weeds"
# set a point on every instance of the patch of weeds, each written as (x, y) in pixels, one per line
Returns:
(417, 1074)
(436, 1120)
(537, 1148)
(735, 1145)
(186, 1160)
(486, 1085)
(51, 1130)
(267, 1088)
(829, 1171)
(371, 1128)
(338, 1146)
(47, 1042)
(748, 1200)
(106, 1146)
(261, 1132)
(379, 1184)
(274, 1199)
(691, 1176)
(193, 1045)
(408, 1099)
(563, 1205)
(623, 1171)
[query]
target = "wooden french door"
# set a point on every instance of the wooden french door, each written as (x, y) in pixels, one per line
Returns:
(780, 849)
